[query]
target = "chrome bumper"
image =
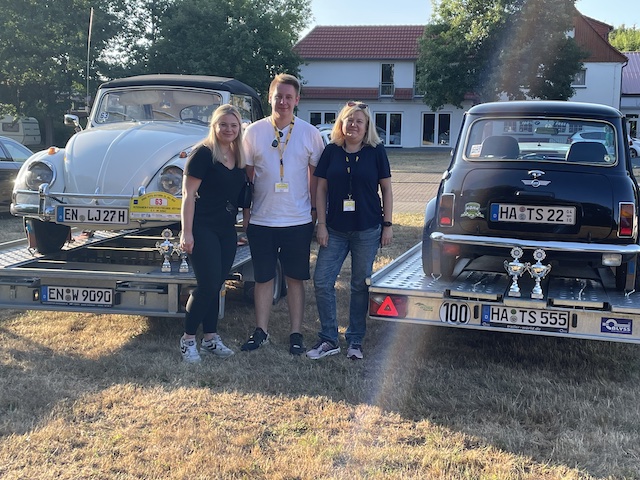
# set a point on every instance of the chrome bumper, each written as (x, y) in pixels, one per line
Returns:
(505, 242)
(45, 209)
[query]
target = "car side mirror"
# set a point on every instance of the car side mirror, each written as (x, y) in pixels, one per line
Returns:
(73, 121)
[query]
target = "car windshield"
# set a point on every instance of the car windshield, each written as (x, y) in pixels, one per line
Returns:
(166, 104)
(541, 139)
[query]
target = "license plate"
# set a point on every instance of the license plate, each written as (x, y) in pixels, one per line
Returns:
(525, 318)
(504, 212)
(92, 214)
(81, 296)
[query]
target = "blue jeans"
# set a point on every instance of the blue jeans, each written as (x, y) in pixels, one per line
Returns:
(363, 246)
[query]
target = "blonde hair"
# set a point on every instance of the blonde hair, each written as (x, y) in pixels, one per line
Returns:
(212, 142)
(371, 137)
(286, 79)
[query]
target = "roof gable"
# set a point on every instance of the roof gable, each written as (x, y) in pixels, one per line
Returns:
(392, 42)
(593, 35)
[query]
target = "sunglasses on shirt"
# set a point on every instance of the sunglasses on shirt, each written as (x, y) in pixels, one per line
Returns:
(274, 144)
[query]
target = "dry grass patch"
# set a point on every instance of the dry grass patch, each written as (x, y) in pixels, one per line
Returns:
(106, 396)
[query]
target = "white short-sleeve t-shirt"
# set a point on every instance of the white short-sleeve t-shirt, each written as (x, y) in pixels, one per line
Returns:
(273, 208)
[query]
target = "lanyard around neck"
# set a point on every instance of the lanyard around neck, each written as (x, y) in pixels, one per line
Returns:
(350, 172)
(281, 148)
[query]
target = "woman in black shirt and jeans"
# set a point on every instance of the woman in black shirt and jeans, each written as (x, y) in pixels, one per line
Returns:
(213, 189)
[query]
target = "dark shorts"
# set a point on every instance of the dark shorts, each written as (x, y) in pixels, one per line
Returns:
(292, 245)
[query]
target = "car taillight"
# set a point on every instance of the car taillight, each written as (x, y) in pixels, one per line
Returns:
(395, 306)
(445, 210)
(626, 220)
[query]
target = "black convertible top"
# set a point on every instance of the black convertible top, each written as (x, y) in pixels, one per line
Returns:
(199, 81)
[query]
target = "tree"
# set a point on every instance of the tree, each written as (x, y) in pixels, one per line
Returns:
(250, 40)
(519, 48)
(625, 39)
(43, 55)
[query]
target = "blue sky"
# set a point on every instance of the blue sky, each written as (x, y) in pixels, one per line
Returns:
(418, 12)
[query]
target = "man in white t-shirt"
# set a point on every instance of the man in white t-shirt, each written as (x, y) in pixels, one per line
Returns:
(282, 152)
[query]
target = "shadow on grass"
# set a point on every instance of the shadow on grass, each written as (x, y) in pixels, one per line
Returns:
(538, 397)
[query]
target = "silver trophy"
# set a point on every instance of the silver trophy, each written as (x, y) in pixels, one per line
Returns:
(515, 269)
(184, 266)
(166, 249)
(538, 271)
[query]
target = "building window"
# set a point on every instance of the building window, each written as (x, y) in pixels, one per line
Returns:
(580, 80)
(436, 129)
(317, 118)
(387, 88)
(389, 128)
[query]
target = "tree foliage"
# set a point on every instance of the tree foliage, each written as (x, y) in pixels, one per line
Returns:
(43, 54)
(250, 40)
(625, 39)
(43, 46)
(489, 48)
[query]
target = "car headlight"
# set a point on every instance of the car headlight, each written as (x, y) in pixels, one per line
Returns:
(37, 174)
(171, 180)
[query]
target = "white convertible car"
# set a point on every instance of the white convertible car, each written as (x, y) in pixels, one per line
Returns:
(125, 169)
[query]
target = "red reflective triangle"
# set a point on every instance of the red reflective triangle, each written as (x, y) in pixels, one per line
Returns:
(387, 308)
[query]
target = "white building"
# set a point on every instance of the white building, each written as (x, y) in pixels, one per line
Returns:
(377, 65)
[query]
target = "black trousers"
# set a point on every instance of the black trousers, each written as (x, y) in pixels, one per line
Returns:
(211, 260)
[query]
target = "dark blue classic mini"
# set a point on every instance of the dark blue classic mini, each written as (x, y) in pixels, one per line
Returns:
(540, 183)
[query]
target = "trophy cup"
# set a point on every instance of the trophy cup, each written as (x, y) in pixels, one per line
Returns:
(538, 271)
(184, 266)
(515, 269)
(166, 248)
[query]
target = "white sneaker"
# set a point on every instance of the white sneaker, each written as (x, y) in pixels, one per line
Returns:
(322, 349)
(354, 352)
(189, 350)
(216, 347)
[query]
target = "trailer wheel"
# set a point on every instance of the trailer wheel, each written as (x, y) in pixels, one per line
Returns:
(279, 286)
(49, 237)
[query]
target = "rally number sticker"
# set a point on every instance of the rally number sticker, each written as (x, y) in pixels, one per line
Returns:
(455, 313)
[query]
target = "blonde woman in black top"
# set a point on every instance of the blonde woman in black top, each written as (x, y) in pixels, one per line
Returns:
(212, 191)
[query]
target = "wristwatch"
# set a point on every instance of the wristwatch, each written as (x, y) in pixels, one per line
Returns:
(387, 224)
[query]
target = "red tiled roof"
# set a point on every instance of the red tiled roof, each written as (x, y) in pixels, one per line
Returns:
(328, 93)
(631, 74)
(602, 28)
(361, 42)
(403, 94)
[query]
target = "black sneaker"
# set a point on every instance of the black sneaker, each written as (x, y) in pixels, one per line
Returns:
(296, 347)
(258, 338)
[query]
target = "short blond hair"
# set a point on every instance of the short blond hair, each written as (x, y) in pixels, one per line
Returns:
(370, 136)
(286, 79)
